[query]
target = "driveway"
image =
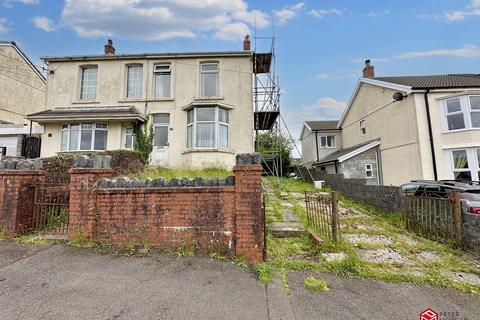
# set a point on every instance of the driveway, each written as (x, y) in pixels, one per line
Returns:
(60, 282)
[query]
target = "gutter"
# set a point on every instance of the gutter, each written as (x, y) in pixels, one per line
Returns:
(430, 134)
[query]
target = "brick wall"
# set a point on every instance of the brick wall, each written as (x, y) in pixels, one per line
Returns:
(211, 215)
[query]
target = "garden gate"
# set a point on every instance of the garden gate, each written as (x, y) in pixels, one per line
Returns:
(51, 206)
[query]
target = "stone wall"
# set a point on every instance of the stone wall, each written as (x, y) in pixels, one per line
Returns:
(354, 168)
(471, 230)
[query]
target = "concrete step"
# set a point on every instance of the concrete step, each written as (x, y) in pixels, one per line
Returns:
(285, 229)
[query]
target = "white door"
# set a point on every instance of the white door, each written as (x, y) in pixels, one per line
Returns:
(161, 130)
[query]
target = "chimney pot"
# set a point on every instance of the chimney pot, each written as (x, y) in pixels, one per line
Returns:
(109, 48)
(369, 70)
(246, 43)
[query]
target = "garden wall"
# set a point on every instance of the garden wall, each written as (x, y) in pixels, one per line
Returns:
(471, 230)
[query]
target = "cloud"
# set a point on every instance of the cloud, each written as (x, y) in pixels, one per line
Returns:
(44, 23)
(4, 25)
(320, 13)
(374, 14)
(325, 106)
(289, 12)
(9, 3)
(157, 20)
(459, 15)
(468, 51)
(326, 76)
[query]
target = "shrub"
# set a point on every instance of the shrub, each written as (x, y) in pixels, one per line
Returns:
(144, 141)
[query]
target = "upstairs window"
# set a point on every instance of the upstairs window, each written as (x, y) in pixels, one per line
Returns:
(475, 111)
(162, 75)
(208, 127)
(88, 83)
(209, 80)
(327, 141)
(363, 127)
(84, 136)
(368, 171)
(455, 119)
(134, 81)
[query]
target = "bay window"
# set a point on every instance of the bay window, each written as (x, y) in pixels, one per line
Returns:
(134, 81)
(462, 113)
(88, 83)
(84, 136)
(208, 127)
(209, 79)
(465, 164)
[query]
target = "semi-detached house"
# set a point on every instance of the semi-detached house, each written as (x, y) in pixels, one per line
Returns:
(200, 105)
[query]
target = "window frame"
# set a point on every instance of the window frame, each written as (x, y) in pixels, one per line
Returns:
(80, 81)
(94, 128)
(363, 127)
(155, 72)
(465, 109)
(470, 110)
(126, 134)
(369, 170)
(326, 146)
(127, 68)
(217, 123)
(201, 72)
(162, 124)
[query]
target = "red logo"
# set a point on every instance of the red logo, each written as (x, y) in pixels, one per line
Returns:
(429, 314)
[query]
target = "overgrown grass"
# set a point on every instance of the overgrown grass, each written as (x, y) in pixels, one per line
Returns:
(170, 173)
(315, 285)
(291, 185)
(2, 234)
(81, 240)
(35, 239)
(186, 250)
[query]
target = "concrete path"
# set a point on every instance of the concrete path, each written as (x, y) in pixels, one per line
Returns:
(60, 282)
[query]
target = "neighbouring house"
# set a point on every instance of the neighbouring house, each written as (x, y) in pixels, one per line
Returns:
(396, 129)
(319, 139)
(200, 104)
(22, 92)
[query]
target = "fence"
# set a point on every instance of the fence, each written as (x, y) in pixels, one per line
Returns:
(322, 214)
(435, 218)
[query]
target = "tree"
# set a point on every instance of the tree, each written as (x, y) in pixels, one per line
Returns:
(144, 141)
(273, 143)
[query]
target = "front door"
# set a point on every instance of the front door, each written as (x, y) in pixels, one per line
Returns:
(161, 130)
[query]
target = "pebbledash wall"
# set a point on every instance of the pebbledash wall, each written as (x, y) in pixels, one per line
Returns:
(215, 215)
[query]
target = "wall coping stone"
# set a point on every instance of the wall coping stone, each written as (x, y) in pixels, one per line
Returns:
(14, 172)
(21, 164)
(126, 182)
(92, 162)
(246, 159)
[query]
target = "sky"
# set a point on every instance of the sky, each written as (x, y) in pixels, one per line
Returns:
(320, 45)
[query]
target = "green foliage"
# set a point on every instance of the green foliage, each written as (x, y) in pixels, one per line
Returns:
(35, 239)
(2, 234)
(218, 255)
(186, 250)
(291, 185)
(146, 247)
(273, 143)
(130, 247)
(264, 272)
(81, 240)
(144, 141)
(241, 261)
(169, 173)
(315, 285)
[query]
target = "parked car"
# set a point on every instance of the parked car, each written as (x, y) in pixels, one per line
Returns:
(469, 191)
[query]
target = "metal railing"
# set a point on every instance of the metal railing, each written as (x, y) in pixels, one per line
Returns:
(322, 214)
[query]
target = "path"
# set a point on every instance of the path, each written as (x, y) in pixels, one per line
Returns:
(61, 282)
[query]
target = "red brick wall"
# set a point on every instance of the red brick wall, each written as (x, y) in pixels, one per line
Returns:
(16, 199)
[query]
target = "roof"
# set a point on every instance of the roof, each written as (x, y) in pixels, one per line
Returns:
(87, 113)
(24, 56)
(347, 153)
(435, 81)
(324, 125)
(149, 56)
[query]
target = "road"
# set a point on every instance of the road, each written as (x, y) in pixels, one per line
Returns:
(61, 282)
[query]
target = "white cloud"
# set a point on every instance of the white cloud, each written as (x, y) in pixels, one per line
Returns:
(378, 13)
(44, 23)
(320, 13)
(9, 3)
(4, 25)
(459, 15)
(325, 106)
(468, 51)
(326, 76)
(158, 20)
(289, 12)
(323, 76)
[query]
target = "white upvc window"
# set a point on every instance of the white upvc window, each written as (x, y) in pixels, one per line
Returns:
(363, 127)
(129, 140)
(162, 80)
(462, 113)
(134, 81)
(327, 141)
(88, 83)
(369, 171)
(208, 127)
(209, 79)
(465, 164)
(84, 136)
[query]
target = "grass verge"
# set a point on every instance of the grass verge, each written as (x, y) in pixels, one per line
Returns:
(170, 173)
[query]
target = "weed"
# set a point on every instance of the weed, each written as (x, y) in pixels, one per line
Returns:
(2, 234)
(169, 173)
(315, 285)
(146, 247)
(241, 261)
(130, 247)
(218, 255)
(264, 271)
(81, 240)
(35, 239)
(186, 250)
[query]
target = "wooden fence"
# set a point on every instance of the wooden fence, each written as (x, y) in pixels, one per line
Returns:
(435, 218)
(322, 214)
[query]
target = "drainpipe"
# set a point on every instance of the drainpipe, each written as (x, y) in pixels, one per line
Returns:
(432, 145)
(316, 144)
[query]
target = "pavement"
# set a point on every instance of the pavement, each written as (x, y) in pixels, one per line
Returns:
(61, 282)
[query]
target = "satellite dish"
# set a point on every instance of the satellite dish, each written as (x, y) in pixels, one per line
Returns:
(398, 96)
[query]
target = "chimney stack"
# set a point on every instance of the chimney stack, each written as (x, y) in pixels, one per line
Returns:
(109, 49)
(246, 43)
(369, 70)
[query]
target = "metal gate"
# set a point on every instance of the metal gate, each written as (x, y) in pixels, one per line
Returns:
(50, 213)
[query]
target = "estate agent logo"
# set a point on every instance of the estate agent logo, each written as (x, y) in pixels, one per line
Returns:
(429, 314)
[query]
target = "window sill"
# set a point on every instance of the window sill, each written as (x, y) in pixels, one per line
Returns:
(161, 99)
(461, 130)
(208, 98)
(85, 102)
(196, 150)
(80, 151)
